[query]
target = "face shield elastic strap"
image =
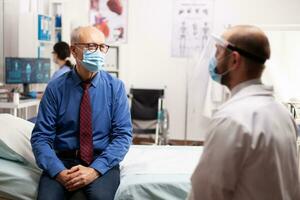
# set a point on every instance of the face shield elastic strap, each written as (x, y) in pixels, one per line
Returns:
(247, 54)
(224, 43)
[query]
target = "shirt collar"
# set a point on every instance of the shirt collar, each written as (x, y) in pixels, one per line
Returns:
(244, 84)
(77, 79)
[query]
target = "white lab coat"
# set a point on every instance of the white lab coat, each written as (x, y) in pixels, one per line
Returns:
(250, 151)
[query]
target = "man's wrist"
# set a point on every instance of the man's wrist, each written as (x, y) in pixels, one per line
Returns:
(96, 172)
(58, 173)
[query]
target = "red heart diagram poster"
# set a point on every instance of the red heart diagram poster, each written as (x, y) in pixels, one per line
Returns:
(110, 16)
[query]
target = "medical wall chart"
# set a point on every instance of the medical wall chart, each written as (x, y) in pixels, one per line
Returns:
(110, 16)
(192, 24)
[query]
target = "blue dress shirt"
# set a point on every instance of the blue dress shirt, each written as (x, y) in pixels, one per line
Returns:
(57, 126)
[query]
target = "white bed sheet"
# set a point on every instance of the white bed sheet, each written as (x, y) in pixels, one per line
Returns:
(157, 172)
(147, 172)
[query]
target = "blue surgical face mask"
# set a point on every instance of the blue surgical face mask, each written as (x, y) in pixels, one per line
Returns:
(212, 70)
(94, 61)
(213, 63)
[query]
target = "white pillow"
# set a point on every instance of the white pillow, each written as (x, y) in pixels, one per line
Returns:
(18, 181)
(15, 134)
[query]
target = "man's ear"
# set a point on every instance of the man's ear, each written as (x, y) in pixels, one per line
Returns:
(236, 58)
(73, 51)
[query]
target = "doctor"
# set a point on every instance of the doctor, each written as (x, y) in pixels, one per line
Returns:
(83, 128)
(61, 54)
(250, 146)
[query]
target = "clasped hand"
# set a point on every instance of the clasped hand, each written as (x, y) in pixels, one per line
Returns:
(77, 177)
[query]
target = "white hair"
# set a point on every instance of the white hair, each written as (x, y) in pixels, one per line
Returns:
(75, 35)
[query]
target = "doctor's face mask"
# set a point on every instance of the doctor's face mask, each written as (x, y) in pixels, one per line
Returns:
(220, 55)
(213, 70)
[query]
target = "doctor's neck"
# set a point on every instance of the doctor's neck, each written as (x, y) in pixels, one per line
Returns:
(237, 78)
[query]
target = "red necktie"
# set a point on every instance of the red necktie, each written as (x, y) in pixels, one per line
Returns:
(86, 131)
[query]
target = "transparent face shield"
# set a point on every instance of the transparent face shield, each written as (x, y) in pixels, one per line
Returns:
(203, 94)
(213, 48)
(222, 43)
(217, 47)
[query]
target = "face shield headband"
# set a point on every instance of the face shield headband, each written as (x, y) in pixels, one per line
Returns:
(232, 47)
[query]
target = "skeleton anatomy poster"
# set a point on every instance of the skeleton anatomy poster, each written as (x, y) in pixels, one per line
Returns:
(192, 23)
(110, 16)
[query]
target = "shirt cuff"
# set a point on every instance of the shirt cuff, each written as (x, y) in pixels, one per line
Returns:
(100, 166)
(55, 168)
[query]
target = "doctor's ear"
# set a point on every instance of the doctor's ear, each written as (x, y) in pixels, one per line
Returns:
(236, 58)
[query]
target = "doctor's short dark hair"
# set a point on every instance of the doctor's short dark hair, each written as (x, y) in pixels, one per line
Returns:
(62, 49)
(257, 44)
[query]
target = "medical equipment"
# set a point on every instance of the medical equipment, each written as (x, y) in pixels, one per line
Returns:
(162, 126)
(149, 117)
(294, 108)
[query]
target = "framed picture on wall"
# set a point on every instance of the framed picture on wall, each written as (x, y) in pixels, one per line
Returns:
(112, 60)
(110, 16)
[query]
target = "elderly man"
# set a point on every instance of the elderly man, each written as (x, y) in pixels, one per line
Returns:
(250, 146)
(83, 128)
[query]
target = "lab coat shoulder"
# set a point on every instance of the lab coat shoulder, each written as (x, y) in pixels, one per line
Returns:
(235, 121)
(255, 108)
(250, 104)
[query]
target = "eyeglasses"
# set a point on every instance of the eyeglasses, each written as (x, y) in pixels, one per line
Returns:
(93, 47)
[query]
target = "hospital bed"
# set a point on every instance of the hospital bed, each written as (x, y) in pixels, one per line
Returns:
(147, 172)
(157, 172)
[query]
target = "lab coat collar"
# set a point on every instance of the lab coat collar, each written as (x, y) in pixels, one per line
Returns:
(244, 84)
(254, 90)
(247, 90)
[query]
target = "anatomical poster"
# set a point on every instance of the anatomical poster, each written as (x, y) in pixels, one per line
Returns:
(110, 16)
(192, 23)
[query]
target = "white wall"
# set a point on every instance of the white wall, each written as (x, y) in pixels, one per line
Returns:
(145, 60)
(1, 42)
(257, 12)
(283, 69)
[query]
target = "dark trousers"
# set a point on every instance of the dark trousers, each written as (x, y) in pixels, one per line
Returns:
(103, 188)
